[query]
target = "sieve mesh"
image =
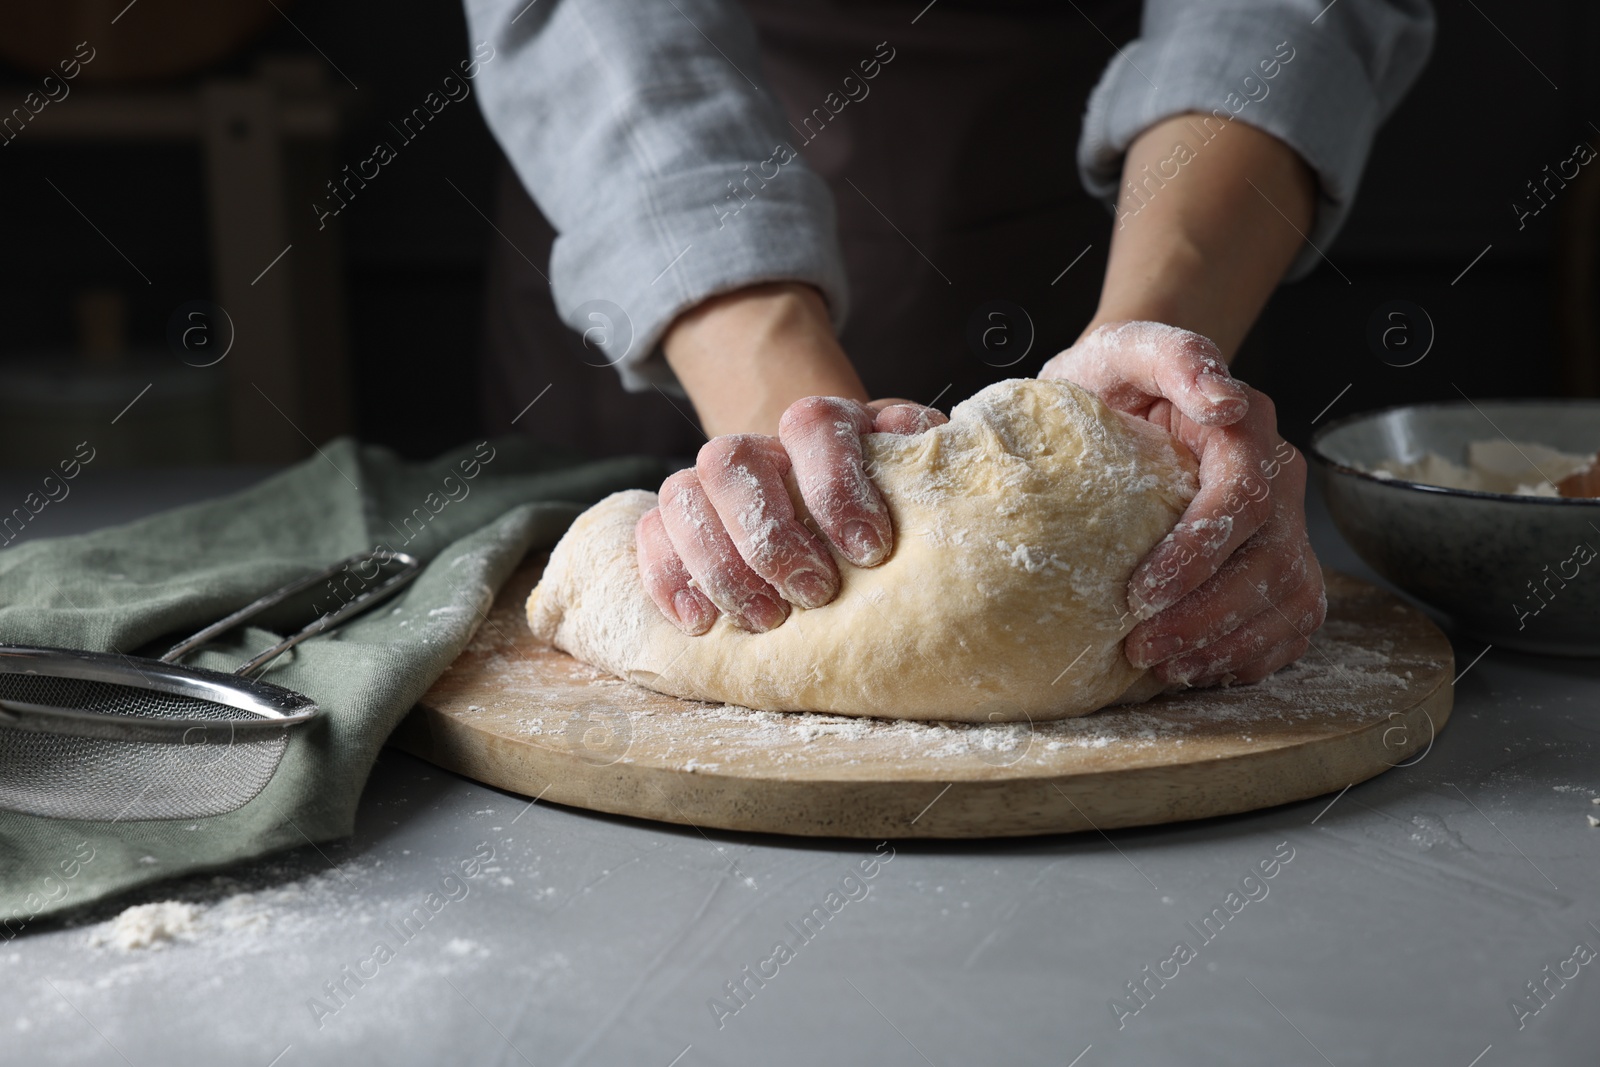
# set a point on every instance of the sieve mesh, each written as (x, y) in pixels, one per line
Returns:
(111, 698)
(213, 771)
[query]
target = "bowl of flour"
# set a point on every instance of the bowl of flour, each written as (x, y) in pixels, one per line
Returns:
(1460, 505)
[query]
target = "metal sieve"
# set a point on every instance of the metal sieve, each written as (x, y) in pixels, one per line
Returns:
(106, 736)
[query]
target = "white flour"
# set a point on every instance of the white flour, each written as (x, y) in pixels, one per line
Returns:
(154, 926)
(149, 926)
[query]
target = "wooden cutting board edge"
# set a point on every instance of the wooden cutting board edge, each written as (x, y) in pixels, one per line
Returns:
(1004, 805)
(974, 802)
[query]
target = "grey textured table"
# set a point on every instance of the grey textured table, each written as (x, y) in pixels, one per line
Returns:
(1414, 909)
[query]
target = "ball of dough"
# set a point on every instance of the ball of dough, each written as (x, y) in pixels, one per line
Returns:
(1016, 527)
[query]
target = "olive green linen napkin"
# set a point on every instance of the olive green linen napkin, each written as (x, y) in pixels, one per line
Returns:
(469, 516)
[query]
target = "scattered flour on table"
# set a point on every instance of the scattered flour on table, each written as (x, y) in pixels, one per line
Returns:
(242, 922)
(1432, 831)
(157, 925)
(149, 926)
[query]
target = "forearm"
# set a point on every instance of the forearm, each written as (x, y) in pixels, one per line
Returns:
(1203, 248)
(637, 133)
(744, 357)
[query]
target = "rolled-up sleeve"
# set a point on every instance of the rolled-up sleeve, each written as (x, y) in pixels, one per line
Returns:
(1351, 63)
(644, 133)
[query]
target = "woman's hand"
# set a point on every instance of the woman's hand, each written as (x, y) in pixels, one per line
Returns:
(725, 538)
(1234, 592)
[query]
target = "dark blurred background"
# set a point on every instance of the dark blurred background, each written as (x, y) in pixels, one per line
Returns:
(187, 152)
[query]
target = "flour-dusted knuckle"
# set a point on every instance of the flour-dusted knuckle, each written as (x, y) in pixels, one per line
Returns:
(1017, 525)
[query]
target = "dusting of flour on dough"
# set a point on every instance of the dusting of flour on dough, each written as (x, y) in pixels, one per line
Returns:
(1031, 560)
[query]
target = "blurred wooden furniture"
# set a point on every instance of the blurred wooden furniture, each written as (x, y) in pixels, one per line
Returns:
(153, 40)
(268, 142)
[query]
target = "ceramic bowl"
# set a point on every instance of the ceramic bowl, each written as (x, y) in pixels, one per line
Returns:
(1520, 572)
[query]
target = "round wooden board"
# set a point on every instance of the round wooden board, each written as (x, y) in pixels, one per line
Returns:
(515, 713)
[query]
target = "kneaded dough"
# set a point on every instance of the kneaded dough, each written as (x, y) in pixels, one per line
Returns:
(1016, 526)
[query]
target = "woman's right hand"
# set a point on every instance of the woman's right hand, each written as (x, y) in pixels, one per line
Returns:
(725, 537)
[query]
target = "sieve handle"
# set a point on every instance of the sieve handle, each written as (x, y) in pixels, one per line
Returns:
(410, 567)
